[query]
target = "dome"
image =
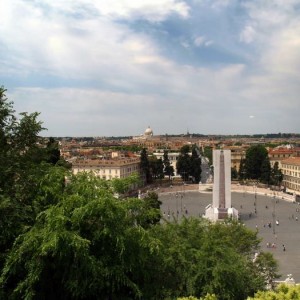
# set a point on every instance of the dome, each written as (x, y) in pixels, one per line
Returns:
(148, 131)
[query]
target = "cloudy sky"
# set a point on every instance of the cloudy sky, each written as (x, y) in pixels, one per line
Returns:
(113, 67)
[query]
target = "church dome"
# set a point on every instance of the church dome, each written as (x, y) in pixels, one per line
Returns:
(148, 132)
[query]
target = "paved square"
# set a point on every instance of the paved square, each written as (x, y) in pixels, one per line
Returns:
(287, 233)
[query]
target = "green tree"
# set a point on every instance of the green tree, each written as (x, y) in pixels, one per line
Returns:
(265, 172)
(168, 168)
(234, 173)
(282, 292)
(276, 174)
(266, 265)
(156, 167)
(200, 258)
(24, 171)
(145, 166)
(87, 246)
(257, 163)
(195, 169)
(242, 169)
(183, 164)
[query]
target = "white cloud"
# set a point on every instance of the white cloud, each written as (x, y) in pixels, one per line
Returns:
(152, 10)
(200, 41)
(248, 34)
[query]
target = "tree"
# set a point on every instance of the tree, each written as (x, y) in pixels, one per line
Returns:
(265, 172)
(195, 169)
(234, 173)
(242, 169)
(156, 167)
(184, 162)
(189, 166)
(168, 168)
(282, 292)
(257, 163)
(24, 173)
(87, 246)
(145, 166)
(266, 265)
(276, 174)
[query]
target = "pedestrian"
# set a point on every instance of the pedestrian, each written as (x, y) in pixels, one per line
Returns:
(277, 222)
(283, 248)
(296, 218)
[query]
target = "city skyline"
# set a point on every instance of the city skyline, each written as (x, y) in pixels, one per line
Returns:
(111, 68)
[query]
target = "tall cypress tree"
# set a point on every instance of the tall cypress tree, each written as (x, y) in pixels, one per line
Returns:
(145, 166)
(195, 170)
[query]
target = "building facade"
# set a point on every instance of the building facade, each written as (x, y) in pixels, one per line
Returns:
(291, 174)
(108, 168)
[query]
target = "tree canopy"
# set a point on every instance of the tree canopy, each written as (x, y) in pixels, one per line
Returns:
(189, 166)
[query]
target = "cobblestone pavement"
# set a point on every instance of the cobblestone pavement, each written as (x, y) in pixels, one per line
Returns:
(269, 209)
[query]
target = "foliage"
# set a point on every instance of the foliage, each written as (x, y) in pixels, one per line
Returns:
(87, 246)
(207, 258)
(189, 166)
(168, 168)
(145, 166)
(282, 292)
(276, 174)
(234, 173)
(207, 297)
(195, 169)
(156, 167)
(25, 169)
(257, 164)
(124, 185)
(267, 266)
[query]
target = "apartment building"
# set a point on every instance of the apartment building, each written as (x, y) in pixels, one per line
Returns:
(291, 174)
(108, 168)
(280, 154)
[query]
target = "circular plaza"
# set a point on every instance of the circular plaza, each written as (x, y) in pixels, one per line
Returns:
(276, 220)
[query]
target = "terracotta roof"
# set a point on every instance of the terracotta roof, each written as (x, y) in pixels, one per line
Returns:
(281, 151)
(292, 161)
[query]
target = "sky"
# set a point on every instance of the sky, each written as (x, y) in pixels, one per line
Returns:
(115, 67)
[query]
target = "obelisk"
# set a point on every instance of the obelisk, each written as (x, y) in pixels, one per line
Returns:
(221, 207)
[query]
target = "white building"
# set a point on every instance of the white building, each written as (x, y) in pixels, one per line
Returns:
(108, 168)
(291, 174)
